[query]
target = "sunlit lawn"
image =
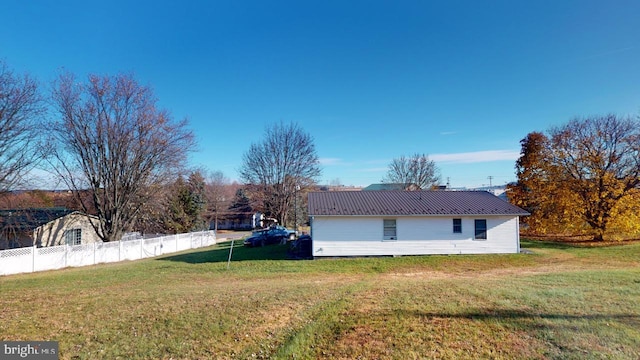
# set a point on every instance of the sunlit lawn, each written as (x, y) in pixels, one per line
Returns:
(560, 302)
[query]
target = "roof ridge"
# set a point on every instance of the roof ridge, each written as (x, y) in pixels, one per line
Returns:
(400, 202)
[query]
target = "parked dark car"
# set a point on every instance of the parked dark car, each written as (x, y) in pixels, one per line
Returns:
(301, 248)
(266, 237)
(291, 234)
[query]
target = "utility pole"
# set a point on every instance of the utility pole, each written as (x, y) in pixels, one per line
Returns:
(295, 208)
(490, 178)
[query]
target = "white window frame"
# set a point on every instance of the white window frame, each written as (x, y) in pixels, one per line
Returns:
(73, 236)
(389, 230)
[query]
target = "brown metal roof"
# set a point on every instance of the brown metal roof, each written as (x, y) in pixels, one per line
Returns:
(388, 203)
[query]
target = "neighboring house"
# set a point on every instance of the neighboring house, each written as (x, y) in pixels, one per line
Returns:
(497, 190)
(377, 223)
(234, 221)
(72, 229)
(17, 225)
(338, 188)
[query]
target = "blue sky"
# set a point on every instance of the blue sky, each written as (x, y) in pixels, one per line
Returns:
(461, 81)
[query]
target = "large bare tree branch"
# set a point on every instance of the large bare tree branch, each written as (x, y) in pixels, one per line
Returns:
(112, 140)
(20, 107)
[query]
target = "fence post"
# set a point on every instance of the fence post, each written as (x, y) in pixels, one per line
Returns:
(33, 259)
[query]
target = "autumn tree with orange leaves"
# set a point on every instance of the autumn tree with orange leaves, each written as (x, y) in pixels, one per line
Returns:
(584, 178)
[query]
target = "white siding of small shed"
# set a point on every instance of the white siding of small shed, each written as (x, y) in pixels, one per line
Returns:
(52, 233)
(362, 236)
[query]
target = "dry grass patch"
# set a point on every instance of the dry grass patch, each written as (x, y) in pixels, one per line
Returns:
(408, 318)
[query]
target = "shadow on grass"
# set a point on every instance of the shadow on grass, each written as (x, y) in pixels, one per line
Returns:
(632, 320)
(541, 244)
(220, 253)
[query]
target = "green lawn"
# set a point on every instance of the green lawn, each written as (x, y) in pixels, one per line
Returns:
(561, 302)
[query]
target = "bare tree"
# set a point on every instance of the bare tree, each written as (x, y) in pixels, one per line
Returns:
(219, 194)
(416, 171)
(20, 106)
(284, 163)
(112, 140)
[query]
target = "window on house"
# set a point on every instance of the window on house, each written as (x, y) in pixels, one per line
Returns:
(390, 229)
(457, 226)
(73, 237)
(481, 229)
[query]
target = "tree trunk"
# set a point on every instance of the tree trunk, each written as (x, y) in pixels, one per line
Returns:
(599, 236)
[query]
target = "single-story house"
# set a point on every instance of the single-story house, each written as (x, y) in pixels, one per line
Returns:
(73, 229)
(234, 221)
(17, 225)
(379, 223)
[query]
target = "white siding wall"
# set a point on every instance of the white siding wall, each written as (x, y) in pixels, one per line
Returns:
(52, 233)
(362, 236)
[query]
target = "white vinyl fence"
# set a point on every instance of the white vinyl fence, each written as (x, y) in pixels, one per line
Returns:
(31, 259)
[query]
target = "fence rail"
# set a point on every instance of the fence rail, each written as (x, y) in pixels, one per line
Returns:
(32, 259)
